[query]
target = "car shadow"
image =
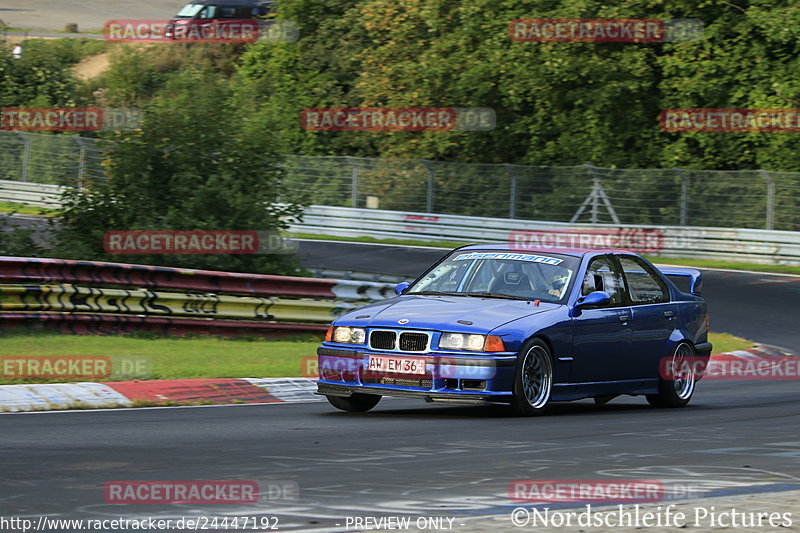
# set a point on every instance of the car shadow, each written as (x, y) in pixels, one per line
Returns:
(581, 407)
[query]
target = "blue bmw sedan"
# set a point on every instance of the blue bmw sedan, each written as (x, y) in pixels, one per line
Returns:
(488, 323)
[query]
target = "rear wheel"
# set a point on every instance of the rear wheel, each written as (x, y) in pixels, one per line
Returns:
(533, 380)
(678, 391)
(357, 403)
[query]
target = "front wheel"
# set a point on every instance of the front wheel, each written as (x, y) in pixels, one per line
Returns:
(357, 403)
(533, 379)
(677, 392)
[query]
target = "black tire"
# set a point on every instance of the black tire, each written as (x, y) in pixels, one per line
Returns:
(357, 403)
(533, 379)
(677, 392)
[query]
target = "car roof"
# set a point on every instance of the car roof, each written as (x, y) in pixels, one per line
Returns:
(574, 252)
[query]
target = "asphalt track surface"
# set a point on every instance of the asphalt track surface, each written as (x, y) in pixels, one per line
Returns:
(406, 458)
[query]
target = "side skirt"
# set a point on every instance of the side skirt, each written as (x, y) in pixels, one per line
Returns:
(563, 392)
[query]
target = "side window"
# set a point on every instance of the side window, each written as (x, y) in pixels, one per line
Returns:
(644, 285)
(227, 13)
(601, 276)
(208, 12)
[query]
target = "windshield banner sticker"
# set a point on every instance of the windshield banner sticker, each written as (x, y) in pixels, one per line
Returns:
(508, 256)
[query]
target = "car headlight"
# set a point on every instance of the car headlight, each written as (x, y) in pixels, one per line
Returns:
(347, 335)
(471, 342)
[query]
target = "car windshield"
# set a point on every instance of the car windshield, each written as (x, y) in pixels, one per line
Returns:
(189, 10)
(500, 275)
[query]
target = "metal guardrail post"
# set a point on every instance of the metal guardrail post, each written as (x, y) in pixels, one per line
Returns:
(512, 200)
(684, 197)
(26, 156)
(770, 222)
(429, 195)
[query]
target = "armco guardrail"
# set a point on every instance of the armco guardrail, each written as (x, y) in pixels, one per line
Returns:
(85, 296)
(36, 194)
(751, 245)
(728, 244)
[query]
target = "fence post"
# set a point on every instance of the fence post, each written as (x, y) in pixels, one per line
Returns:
(26, 155)
(429, 198)
(684, 197)
(81, 157)
(595, 196)
(353, 183)
(770, 222)
(512, 200)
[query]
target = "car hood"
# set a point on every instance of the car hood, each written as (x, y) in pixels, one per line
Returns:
(443, 313)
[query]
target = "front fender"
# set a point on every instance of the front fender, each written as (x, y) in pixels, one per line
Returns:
(554, 327)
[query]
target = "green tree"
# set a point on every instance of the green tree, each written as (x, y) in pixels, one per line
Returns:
(194, 165)
(36, 79)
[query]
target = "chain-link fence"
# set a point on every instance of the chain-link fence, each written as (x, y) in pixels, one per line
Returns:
(47, 158)
(744, 199)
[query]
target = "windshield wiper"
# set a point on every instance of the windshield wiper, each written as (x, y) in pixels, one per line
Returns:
(487, 294)
(436, 293)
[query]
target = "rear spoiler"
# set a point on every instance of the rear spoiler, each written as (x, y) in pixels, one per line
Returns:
(696, 284)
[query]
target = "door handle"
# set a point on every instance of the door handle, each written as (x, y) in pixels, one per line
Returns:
(624, 318)
(669, 314)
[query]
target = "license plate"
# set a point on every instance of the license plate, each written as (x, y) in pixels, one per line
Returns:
(400, 365)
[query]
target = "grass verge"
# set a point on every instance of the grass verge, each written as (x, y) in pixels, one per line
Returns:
(22, 209)
(203, 357)
(401, 242)
(703, 263)
(171, 357)
(725, 342)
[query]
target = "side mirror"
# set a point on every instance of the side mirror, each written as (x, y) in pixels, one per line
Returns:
(401, 287)
(596, 298)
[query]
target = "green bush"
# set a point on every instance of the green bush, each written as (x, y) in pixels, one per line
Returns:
(196, 164)
(17, 240)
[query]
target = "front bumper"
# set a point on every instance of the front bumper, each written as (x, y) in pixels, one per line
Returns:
(326, 388)
(473, 377)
